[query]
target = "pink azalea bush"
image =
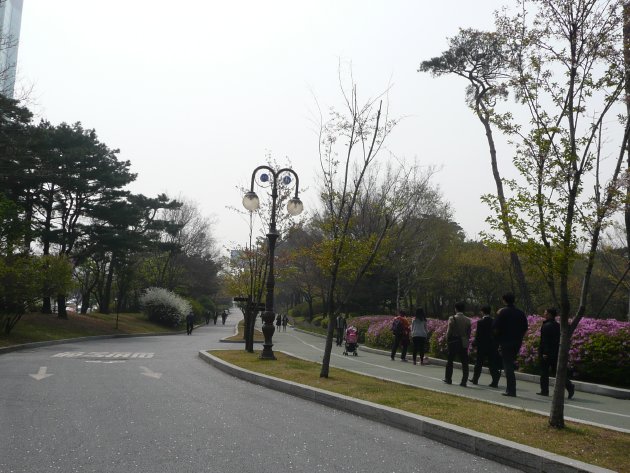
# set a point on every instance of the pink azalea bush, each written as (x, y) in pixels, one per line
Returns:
(600, 348)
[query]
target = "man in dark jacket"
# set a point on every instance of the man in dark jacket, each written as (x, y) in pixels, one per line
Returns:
(548, 352)
(340, 324)
(486, 347)
(190, 322)
(509, 329)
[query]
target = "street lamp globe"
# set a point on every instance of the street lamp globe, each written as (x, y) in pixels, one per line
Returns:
(295, 206)
(250, 201)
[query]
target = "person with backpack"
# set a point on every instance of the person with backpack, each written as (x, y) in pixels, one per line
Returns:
(400, 329)
(457, 338)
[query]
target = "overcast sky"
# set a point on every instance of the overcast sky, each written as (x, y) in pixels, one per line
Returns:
(195, 93)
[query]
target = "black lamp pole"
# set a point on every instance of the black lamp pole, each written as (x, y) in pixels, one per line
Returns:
(294, 207)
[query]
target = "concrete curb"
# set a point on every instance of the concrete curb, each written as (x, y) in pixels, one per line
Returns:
(26, 346)
(493, 448)
(581, 386)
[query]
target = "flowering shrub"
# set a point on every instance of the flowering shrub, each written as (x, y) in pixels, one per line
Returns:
(600, 349)
(164, 307)
(363, 323)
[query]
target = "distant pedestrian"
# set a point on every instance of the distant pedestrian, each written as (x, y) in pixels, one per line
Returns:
(207, 316)
(224, 316)
(400, 329)
(548, 353)
(285, 321)
(215, 316)
(340, 325)
(278, 322)
(457, 338)
(419, 335)
(487, 349)
(509, 329)
(190, 322)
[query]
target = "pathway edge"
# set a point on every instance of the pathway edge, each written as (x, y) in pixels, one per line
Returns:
(503, 451)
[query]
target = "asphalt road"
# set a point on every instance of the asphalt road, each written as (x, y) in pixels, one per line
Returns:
(591, 408)
(151, 405)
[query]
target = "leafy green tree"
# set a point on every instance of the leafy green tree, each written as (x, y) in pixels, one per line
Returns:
(566, 69)
(481, 58)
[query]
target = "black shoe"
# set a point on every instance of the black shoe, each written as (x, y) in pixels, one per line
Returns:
(393, 359)
(508, 394)
(447, 381)
(493, 385)
(463, 385)
(571, 390)
(473, 381)
(542, 393)
(404, 359)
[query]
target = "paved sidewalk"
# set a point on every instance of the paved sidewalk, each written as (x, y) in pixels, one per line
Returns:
(584, 407)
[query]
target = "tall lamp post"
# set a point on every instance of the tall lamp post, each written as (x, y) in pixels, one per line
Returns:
(269, 177)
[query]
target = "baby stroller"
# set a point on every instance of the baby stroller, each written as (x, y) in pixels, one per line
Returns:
(351, 337)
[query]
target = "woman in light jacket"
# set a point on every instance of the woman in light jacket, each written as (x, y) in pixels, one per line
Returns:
(419, 335)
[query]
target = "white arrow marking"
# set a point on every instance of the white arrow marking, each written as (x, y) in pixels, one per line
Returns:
(151, 374)
(41, 374)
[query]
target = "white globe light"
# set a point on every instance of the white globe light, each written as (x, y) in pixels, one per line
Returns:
(295, 206)
(250, 201)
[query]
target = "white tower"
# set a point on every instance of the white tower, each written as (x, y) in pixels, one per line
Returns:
(10, 20)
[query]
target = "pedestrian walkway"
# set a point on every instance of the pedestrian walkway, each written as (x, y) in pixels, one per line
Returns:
(584, 407)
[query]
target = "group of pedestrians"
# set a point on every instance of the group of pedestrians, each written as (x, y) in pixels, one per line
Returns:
(282, 321)
(497, 342)
(403, 332)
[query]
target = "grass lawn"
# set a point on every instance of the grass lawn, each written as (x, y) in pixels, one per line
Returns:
(40, 327)
(258, 335)
(602, 447)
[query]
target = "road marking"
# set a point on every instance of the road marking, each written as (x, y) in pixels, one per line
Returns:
(567, 405)
(41, 374)
(104, 362)
(151, 374)
(102, 354)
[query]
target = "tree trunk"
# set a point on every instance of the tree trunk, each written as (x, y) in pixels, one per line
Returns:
(505, 223)
(85, 303)
(61, 307)
(331, 322)
(626, 61)
(556, 415)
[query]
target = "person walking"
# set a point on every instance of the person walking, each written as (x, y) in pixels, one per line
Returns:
(400, 329)
(510, 326)
(340, 324)
(457, 338)
(207, 316)
(190, 322)
(278, 322)
(215, 316)
(548, 353)
(285, 321)
(224, 316)
(486, 347)
(419, 335)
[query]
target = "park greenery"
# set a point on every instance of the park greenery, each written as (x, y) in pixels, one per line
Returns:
(550, 83)
(74, 237)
